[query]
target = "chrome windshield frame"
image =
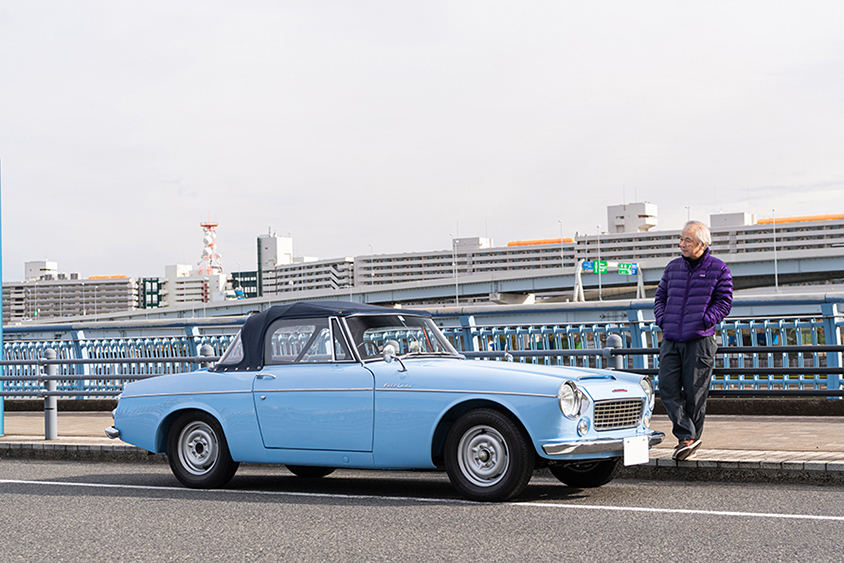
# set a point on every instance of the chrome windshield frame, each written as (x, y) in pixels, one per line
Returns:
(440, 337)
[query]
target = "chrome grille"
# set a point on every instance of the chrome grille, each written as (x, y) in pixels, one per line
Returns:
(623, 413)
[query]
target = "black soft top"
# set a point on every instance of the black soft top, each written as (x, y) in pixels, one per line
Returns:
(255, 328)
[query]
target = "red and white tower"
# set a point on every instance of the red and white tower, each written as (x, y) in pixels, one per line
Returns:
(211, 263)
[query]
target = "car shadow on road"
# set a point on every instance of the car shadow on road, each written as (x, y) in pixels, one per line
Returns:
(268, 483)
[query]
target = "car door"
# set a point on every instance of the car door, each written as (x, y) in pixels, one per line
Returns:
(311, 394)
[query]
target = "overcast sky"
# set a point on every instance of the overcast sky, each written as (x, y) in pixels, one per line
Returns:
(346, 124)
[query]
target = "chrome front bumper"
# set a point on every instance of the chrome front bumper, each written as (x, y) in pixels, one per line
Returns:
(597, 446)
(112, 432)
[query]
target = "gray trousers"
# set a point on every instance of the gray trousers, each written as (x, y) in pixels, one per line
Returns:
(685, 369)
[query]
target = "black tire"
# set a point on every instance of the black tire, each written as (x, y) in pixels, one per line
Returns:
(198, 453)
(488, 457)
(309, 471)
(589, 474)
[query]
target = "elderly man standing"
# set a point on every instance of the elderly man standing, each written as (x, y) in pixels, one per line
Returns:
(693, 296)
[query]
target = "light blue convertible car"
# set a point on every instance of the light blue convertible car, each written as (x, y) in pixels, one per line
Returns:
(326, 385)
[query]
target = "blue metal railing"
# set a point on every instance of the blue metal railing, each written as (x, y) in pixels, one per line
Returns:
(752, 352)
(104, 377)
(738, 367)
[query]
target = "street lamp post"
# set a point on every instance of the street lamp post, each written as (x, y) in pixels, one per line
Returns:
(774, 225)
(598, 264)
(561, 242)
(371, 266)
(454, 269)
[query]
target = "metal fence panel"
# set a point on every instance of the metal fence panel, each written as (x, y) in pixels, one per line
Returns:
(767, 335)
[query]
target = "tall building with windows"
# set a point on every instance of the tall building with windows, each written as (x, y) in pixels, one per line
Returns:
(60, 295)
(309, 275)
(468, 256)
(732, 234)
(631, 217)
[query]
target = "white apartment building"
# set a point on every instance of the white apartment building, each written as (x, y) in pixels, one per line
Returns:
(468, 256)
(274, 251)
(631, 217)
(308, 275)
(181, 285)
(41, 270)
(68, 297)
(732, 234)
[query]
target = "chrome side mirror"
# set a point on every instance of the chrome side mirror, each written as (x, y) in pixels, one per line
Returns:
(389, 353)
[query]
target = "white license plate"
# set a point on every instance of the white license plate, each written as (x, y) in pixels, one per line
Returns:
(636, 450)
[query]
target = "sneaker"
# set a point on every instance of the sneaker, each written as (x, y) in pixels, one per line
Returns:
(686, 449)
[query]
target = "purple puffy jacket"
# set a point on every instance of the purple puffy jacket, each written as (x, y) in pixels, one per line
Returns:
(690, 302)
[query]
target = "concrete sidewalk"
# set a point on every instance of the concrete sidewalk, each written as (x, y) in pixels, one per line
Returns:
(735, 448)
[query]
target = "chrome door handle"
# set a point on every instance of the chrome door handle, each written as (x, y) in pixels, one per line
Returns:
(266, 376)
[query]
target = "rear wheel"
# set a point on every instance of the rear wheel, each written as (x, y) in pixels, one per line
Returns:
(589, 474)
(487, 456)
(198, 453)
(309, 472)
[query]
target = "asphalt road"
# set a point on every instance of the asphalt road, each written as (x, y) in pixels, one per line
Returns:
(60, 511)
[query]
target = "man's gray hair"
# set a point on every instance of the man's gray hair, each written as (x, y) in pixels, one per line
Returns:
(702, 233)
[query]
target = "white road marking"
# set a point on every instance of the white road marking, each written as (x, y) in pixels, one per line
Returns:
(558, 506)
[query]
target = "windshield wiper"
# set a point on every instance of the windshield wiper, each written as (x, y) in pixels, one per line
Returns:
(429, 354)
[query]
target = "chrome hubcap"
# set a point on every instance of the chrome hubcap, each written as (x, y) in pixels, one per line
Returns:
(483, 456)
(198, 448)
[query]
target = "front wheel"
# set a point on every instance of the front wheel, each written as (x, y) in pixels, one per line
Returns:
(488, 457)
(198, 453)
(589, 474)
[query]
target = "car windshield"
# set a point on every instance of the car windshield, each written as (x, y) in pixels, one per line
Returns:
(409, 336)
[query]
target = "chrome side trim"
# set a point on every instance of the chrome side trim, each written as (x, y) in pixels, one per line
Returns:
(465, 391)
(313, 390)
(112, 432)
(403, 389)
(596, 446)
(186, 393)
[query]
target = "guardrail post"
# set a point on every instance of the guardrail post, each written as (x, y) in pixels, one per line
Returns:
(51, 421)
(614, 362)
(635, 318)
(467, 323)
(206, 350)
(192, 333)
(833, 337)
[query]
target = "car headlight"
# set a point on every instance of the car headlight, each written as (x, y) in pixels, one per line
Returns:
(569, 398)
(648, 387)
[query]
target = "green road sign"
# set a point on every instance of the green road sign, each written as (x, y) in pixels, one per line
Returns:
(601, 266)
(626, 269)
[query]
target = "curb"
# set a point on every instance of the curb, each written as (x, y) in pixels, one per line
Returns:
(657, 469)
(78, 452)
(789, 472)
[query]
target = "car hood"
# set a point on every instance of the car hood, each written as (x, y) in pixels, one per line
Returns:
(515, 377)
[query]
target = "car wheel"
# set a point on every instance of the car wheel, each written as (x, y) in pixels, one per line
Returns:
(309, 472)
(487, 456)
(589, 474)
(198, 453)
